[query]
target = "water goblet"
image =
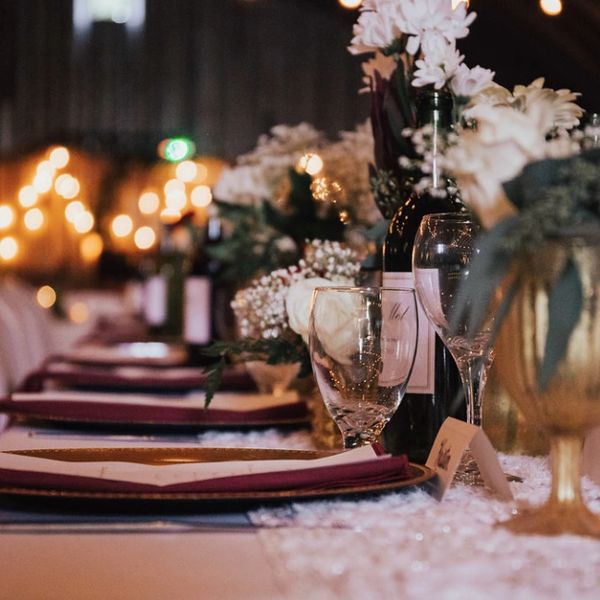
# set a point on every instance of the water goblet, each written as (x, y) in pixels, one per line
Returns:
(362, 345)
(443, 249)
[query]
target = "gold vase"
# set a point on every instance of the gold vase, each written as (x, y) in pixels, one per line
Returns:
(569, 406)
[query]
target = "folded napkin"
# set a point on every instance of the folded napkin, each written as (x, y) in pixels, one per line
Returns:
(132, 378)
(226, 408)
(331, 473)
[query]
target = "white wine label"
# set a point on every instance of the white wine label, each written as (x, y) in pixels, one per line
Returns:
(196, 316)
(422, 379)
(155, 301)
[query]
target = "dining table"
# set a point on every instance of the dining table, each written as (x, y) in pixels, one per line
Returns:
(402, 543)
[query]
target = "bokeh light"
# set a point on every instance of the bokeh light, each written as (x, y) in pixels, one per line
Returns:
(176, 200)
(67, 186)
(144, 237)
(186, 170)
(201, 196)
(9, 248)
(7, 216)
(46, 296)
(73, 209)
(91, 247)
(59, 157)
(169, 215)
(350, 4)
(42, 182)
(78, 312)
(122, 225)
(551, 7)
(83, 222)
(27, 196)
(311, 163)
(33, 219)
(174, 185)
(148, 203)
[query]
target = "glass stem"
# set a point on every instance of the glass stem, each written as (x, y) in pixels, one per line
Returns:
(474, 372)
(565, 451)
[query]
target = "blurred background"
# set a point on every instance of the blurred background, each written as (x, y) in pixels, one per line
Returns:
(103, 102)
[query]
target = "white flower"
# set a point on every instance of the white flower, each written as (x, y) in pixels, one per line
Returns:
(377, 27)
(244, 185)
(469, 82)
(419, 18)
(440, 61)
(503, 143)
(298, 302)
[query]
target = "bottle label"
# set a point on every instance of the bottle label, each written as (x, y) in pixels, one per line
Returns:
(196, 319)
(422, 379)
(155, 301)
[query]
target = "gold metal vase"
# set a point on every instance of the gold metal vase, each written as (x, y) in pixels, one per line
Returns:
(569, 406)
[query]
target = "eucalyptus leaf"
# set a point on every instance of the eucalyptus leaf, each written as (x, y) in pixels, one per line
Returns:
(565, 303)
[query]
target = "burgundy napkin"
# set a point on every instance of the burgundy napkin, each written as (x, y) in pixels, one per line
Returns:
(233, 379)
(383, 470)
(122, 413)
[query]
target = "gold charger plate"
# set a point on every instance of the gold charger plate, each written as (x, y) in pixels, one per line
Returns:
(220, 500)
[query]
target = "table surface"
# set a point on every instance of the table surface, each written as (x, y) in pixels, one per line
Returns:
(401, 545)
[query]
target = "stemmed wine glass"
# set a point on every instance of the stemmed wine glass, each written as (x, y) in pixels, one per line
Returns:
(362, 346)
(443, 249)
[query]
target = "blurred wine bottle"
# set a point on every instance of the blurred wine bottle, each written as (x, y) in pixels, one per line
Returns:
(201, 293)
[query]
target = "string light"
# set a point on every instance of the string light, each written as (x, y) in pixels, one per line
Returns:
(186, 170)
(8, 248)
(201, 196)
(73, 209)
(33, 219)
(42, 182)
(91, 247)
(122, 225)
(148, 203)
(67, 186)
(27, 196)
(83, 222)
(551, 7)
(46, 168)
(59, 157)
(7, 216)
(46, 296)
(144, 237)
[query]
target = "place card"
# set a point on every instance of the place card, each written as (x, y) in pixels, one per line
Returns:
(591, 455)
(451, 442)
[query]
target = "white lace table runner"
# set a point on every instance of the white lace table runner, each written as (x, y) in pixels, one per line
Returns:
(406, 545)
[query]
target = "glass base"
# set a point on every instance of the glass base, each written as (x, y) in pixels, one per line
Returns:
(554, 519)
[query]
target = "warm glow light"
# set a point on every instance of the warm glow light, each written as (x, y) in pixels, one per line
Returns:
(46, 296)
(27, 196)
(67, 186)
(186, 170)
(46, 168)
(59, 157)
(91, 246)
(8, 248)
(73, 209)
(551, 7)
(122, 225)
(144, 237)
(79, 312)
(311, 163)
(169, 215)
(7, 216)
(83, 222)
(202, 172)
(148, 203)
(174, 185)
(33, 219)
(176, 200)
(42, 182)
(201, 196)
(350, 3)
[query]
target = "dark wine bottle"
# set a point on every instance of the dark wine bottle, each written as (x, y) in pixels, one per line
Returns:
(199, 295)
(435, 382)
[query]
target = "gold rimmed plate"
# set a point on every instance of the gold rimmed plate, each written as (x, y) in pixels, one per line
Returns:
(213, 501)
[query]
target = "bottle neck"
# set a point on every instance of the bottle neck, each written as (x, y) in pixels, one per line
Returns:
(434, 109)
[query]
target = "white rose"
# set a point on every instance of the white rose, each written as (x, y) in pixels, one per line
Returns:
(298, 301)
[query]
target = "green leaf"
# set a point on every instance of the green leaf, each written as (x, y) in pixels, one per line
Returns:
(565, 303)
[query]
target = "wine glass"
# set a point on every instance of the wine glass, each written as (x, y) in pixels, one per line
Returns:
(443, 249)
(362, 344)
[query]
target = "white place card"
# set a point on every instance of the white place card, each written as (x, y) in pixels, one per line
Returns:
(451, 442)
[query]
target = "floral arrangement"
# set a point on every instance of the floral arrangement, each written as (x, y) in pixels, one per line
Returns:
(273, 312)
(295, 185)
(413, 46)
